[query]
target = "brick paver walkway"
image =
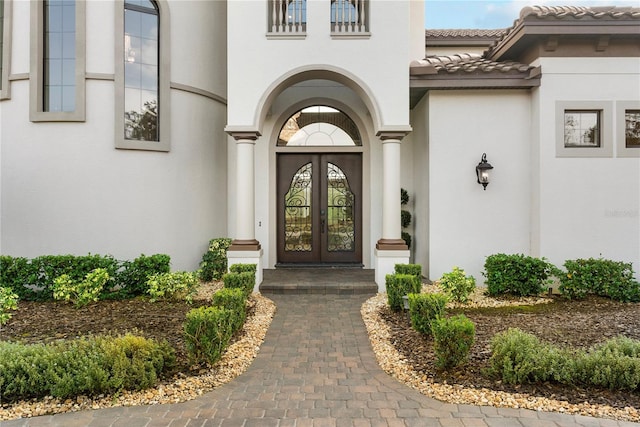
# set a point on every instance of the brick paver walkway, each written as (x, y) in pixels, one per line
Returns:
(315, 368)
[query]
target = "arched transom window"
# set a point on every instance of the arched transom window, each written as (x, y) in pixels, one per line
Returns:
(318, 126)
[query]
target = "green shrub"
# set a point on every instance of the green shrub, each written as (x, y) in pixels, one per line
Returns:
(245, 281)
(398, 285)
(614, 364)
(452, 340)
(407, 238)
(424, 309)
(242, 268)
(207, 332)
(33, 279)
(177, 285)
(233, 300)
(14, 274)
(412, 269)
(80, 293)
(517, 274)
(602, 277)
(457, 285)
(85, 366)
(214, 262)
(8, 301)
(405, 218)
(134, 275)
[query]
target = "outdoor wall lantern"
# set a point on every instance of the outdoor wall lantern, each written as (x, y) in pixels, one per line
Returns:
(482, 171)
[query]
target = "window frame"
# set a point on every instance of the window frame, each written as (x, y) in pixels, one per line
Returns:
(606, 129)
(164, 67)
(36, 77)
(5, 58)
(621, 146)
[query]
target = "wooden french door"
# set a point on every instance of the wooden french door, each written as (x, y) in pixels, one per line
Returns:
(319, 208)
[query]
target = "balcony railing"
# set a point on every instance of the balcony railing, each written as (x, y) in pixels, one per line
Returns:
(288, 18)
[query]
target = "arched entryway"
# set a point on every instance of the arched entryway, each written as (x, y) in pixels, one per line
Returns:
(319, 189)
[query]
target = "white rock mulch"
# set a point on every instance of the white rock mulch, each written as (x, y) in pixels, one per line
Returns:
(392, 362)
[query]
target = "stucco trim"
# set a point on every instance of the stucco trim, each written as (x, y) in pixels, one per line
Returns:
(100, 76)
(313, 72)
(606, 129)
(5, 86)
(36, 91)
(197, 91)
(18, 76)
(621, 147)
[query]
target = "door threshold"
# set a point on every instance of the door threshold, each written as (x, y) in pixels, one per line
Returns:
(319, 265)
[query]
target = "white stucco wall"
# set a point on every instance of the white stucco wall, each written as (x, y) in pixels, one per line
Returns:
(66, 189)
(466, 224)
(588, 207)
(378, 63)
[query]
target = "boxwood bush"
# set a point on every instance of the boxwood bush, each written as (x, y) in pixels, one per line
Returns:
(84, 366)
(245, 280)
(517, 274)
(207, 332)
(233, 300)
(424, 309)
(412, 269)
(452, 340)
(398, 285)
(603, 277)
(177, 285)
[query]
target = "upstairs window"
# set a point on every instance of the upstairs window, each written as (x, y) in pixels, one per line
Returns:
(287, 17)
(141, 72)
(59, 56)
(349, 18)
(57, 74)
(142, 75)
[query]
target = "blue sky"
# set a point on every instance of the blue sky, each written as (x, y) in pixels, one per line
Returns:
(490, 14)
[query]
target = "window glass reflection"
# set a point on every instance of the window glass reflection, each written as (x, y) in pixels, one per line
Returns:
(141, 70)
(59, 55)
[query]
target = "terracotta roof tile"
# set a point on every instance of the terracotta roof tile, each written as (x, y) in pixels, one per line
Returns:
(464, 33)
(567, 14)
(467, 63)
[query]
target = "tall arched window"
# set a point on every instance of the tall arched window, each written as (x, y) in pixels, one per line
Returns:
(141, 72)
(142, 80)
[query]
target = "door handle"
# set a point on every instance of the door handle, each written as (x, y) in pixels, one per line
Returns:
(322, 222)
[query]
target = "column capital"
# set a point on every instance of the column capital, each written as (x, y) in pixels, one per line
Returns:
(392, 134)
(238, 135)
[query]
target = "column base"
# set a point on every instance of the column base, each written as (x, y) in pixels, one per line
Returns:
(385, 263)
(245, 256)
(244, 245)
(392, 245)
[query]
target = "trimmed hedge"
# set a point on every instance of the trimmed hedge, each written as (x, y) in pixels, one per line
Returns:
(601, 277)
(398, 285)
(412, 269)
(84, 366)
(245, 281)
(32, 279)
(207, 332)
(233, 300)
(243, 268)
(424, 309)
(517, 274)
(452, 340)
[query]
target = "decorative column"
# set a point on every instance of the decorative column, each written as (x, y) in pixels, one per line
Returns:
(390, 248)
(245, 249)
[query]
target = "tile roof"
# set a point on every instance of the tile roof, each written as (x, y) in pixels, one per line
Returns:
(467, 63)
(463, 33)
(579, 12)
(566, 14)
